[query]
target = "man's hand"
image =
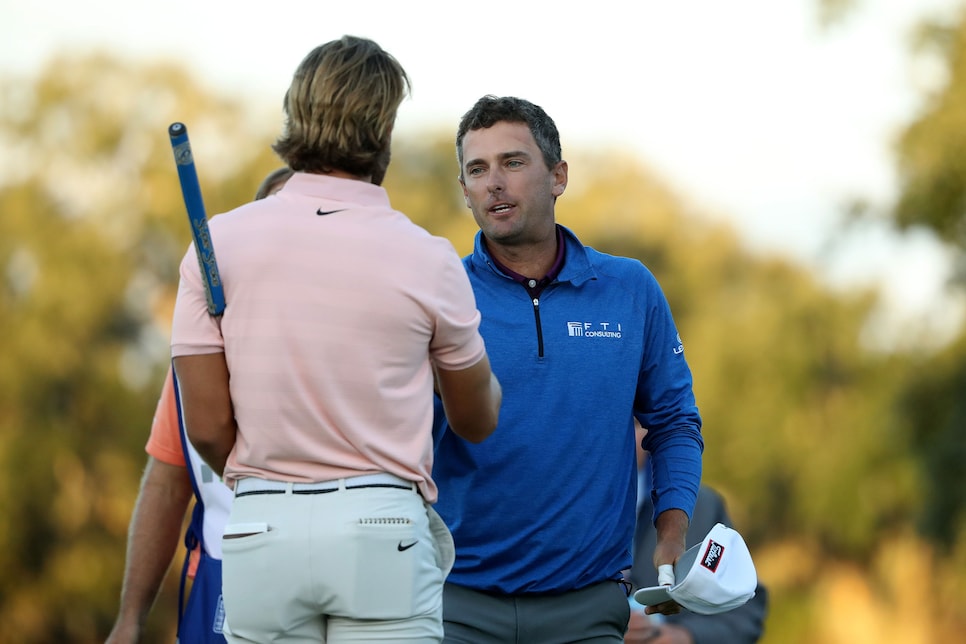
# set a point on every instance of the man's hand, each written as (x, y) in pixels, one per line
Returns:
(672, 527)
(642, 630)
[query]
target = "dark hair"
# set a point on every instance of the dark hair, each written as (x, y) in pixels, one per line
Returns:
(341, 107)
(490, 110)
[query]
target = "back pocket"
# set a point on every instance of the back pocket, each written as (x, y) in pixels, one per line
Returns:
(386, 555)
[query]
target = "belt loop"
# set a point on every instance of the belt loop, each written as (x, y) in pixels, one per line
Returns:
(342, 485)
(288, 488)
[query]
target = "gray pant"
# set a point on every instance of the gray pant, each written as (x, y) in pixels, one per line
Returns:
(595, 614)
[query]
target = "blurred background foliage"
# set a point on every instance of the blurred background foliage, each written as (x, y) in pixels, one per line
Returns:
(841, 462)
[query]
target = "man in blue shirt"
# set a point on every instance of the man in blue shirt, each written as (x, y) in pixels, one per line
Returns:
(543, 512)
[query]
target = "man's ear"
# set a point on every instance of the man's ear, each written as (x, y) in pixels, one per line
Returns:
(559, 179)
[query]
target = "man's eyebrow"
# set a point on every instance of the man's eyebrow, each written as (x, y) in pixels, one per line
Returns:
(503, 156)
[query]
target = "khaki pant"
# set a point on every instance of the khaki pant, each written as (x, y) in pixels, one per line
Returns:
(339, 565)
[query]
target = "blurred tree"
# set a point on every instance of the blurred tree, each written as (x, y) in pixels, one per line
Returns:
(935, 409)
(931, 161)
(931, 153)
(92, 231)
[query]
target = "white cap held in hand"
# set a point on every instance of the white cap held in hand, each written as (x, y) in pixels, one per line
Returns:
(712, 577)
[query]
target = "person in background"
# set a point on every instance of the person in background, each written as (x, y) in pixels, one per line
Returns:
(341, 315)
(542, 513)
(273, 182)
(742, 625)
(159, 512)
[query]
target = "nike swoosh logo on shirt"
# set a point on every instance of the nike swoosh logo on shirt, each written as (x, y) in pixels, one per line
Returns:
(321, 212)
(402, 547)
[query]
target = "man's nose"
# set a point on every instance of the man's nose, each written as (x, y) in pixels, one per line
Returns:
(495, 180)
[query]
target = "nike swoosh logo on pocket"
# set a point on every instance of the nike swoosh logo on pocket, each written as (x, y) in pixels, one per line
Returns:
(321, 212)
(402, 547)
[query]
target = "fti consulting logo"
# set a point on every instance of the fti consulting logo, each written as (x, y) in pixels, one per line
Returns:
(593, 330)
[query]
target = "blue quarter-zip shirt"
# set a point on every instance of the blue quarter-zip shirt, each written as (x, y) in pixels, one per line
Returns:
(546, 504)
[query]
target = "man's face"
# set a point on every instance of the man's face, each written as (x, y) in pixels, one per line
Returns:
(508, 186)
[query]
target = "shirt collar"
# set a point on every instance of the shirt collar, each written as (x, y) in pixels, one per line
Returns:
(532, 284)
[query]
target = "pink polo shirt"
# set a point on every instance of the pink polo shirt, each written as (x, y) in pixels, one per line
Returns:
(337, 307)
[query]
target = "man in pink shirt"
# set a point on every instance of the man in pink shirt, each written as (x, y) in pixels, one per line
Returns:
(341, 314)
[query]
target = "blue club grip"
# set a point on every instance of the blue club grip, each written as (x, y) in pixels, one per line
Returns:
(191, 191)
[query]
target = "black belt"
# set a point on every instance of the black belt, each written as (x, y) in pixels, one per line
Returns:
(325, 490)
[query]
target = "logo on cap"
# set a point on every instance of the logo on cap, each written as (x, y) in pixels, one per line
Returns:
(712, 556)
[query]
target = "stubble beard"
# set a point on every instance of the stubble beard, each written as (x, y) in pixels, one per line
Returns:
(504, 233)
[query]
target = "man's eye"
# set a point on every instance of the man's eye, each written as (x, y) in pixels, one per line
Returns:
(514, 163)
(474, 171)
